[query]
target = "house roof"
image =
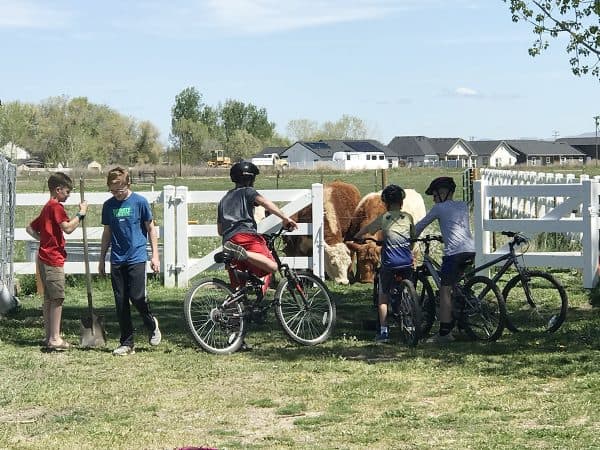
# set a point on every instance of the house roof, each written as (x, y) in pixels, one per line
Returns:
(543, 148)
(326, 148)
(405, 146)
(269, 151)
(579, 140)
(484, 148)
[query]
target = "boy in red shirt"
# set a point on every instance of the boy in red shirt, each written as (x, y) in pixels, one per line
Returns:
(48, 228)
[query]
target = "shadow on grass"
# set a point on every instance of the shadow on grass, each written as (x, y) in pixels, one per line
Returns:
(573, 349)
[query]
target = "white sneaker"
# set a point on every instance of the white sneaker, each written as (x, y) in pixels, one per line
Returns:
(155, 336)
(123, 350)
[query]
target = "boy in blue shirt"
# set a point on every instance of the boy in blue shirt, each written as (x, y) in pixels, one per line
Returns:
(128, 223)
(396, 254)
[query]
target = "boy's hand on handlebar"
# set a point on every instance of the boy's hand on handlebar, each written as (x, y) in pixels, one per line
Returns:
(289, 224)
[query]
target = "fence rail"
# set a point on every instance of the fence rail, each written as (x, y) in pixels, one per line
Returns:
(535, 203)
(177, 265)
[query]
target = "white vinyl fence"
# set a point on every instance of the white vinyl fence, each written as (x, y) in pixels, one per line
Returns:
(534, 203)
(177, 265)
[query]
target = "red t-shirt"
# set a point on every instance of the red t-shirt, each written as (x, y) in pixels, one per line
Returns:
(52, 241)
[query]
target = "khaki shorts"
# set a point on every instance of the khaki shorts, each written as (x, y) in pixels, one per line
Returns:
(53, 279)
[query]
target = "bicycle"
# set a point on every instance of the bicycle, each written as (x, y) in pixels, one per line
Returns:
(218, 316)
(404, 309)
(545, 303)
(477, 304)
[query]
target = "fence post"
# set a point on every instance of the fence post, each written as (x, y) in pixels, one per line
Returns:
(168, 235)
(590, 235)
(318, 231)
(181, 232)
(481, 212)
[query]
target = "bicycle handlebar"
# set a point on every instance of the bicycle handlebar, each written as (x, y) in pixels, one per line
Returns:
(518, 238)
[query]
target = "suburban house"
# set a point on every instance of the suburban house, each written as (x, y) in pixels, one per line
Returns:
(587, 145)
(344, 154)
(424, 151)
(456, 152)
(543, 153)
(494, 153)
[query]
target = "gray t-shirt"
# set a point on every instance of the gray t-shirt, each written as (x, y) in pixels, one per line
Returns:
(235, 212)
(453, 217)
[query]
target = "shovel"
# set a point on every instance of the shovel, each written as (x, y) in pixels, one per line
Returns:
(92, 329)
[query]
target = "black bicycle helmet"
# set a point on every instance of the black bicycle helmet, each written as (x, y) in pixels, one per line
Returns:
(243, 172)
(441, 183)
(392, 194)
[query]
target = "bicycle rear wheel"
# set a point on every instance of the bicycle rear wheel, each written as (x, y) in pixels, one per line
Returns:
(482, 314)
(216, 328)
(409, 313)
(535, 302)
(427, 303)
(304, 309)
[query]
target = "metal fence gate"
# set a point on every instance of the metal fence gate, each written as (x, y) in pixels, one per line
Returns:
(8, 179)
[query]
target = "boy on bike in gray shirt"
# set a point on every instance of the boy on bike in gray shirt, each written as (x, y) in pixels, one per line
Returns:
(459, 246)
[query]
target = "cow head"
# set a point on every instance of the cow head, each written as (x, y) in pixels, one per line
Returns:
(337, 262)
(367, 260)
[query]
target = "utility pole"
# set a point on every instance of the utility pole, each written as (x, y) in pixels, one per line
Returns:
(555, 134)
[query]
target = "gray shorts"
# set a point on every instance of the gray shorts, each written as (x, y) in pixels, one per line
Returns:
(53, 279)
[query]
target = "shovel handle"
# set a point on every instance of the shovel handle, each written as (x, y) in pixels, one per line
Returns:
(86, 257)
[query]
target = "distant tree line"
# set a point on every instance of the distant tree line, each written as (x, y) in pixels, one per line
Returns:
(72, 132)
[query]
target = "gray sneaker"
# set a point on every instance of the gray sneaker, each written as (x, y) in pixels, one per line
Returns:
(123, 350)
(155, 336)
(235, 251)
(439, 339)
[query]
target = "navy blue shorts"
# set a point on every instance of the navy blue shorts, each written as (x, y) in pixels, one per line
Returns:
(387, 276)
(453, 267)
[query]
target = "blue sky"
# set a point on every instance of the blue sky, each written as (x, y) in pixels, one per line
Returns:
(438, 68)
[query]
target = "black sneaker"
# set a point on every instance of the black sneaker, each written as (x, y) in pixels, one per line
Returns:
(235, 251)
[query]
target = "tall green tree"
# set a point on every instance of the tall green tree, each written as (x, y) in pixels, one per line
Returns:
(347, 127)
(18, 124)
(302, 129)
(577, 19)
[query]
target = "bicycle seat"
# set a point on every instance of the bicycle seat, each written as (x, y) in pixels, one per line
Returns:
(222, 258)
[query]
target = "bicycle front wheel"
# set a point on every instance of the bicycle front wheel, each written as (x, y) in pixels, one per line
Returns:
(535, 302)
(427, 303)
(483, 313)
(409, 313)
(304, 309)
(216, 325)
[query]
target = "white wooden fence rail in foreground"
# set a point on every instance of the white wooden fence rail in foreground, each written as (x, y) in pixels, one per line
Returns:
(177, 265)
(534, 203)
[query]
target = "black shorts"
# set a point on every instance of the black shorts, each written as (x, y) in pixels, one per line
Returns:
(453, 267)
(387, 276)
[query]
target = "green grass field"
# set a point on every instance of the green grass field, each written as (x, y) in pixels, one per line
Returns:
(525, 391)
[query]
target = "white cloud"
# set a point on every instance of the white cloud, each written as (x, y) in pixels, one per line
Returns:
(28, 14)
(466, 92)
(265, 16)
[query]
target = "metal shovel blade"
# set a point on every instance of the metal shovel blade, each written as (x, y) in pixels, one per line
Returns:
(92, 332)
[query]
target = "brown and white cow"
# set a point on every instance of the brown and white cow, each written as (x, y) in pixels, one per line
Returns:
(339, 201)
(370, 206)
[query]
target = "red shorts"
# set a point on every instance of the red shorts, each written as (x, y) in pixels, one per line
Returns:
(253, 243)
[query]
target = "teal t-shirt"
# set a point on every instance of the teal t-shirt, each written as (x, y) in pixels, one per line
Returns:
(127, 220)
